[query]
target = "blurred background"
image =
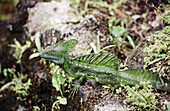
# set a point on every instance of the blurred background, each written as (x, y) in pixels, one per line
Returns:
(7, 7)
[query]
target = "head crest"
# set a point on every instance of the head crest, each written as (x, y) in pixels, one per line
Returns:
(68, 45)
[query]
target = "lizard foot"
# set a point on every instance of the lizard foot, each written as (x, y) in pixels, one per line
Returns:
(74, 90)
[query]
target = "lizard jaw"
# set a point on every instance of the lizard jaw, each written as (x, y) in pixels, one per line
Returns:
(55, 60)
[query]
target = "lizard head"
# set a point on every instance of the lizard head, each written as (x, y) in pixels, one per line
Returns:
(60, 52)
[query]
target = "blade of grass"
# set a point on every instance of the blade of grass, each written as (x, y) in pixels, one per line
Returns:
(98, 44)
(137, 94)
(131, 41)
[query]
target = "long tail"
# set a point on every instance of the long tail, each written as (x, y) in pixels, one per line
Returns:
(134, 77)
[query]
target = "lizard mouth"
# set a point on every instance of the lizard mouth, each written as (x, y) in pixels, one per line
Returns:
(55, 60)
(51, 58)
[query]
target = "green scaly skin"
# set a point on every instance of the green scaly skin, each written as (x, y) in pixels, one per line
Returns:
(102, 68)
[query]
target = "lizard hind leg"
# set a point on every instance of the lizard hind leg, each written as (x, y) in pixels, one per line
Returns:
(76, 87)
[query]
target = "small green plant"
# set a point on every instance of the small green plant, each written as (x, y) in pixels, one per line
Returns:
(36, 108)
(58, 80)
(9, 72)
(19, 49)
(17, 84)
(61, 100)
(118, 34)
(97, 49)
(143, 99)
(37, 50)
(159, 49)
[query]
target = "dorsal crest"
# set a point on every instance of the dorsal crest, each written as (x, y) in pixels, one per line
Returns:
(104, 59)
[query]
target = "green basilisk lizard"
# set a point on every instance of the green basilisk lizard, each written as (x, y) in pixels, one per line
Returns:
(102, 68)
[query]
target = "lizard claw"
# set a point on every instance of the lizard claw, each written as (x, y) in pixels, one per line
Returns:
(74, 90)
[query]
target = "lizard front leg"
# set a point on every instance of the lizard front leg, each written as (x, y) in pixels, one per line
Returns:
(76, 86)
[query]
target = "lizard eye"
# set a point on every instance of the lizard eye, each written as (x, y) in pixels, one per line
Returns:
(51, 53)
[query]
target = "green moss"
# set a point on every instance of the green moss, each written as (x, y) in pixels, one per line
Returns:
(20, 83)
(142, 99)
(159, 48)
(19, 49)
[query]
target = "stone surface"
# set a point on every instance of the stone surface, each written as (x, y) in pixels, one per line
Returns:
(50, 14)
(95, 98)
(136, 59)
(57, 16)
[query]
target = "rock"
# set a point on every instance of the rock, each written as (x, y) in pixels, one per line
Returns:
(50, 14)
(94, 97)
(136, 59)
(59, 15)
(85, 32)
